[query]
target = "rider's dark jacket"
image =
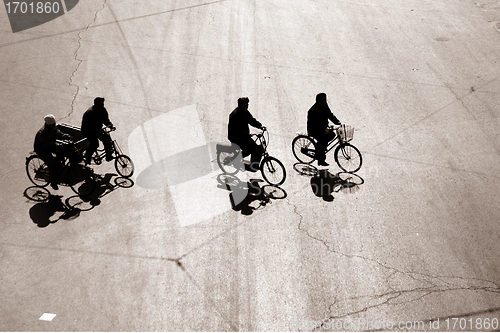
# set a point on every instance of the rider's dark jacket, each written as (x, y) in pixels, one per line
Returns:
(317, 119)
(93, 119)
(237, 128)
(45, 140)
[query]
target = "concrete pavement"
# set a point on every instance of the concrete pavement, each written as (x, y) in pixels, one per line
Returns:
(418, 240)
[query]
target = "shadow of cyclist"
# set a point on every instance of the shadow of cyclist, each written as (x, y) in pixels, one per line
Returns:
(248, 196)
(45, 213)
(50, 207)
(323, 184)
(105, 185)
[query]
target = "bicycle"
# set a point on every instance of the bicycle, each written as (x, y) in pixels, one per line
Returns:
(347, 156)
(123, 164)
(271, 168)
(80, 178)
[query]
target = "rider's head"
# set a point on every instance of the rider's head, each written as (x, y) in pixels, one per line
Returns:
(321, 98)
(99, 101)
(50, 121)
(243, 102)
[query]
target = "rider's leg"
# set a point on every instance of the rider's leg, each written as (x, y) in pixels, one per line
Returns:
(54, 169)
(93, 144)
(106, 141)
(256, 156)
(69, 152)
(248, 147)
(322, 141)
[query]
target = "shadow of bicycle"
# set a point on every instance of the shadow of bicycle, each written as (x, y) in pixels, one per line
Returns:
(323, 183)
(248, 196)
(50, 208)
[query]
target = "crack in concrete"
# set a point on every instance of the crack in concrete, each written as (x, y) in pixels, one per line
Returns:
(80, 61)
(307, 232)
(428, 284)
(232, 327)
(432, 284)
(457, 97)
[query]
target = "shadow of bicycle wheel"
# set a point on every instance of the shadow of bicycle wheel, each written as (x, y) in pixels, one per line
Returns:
(306, 170)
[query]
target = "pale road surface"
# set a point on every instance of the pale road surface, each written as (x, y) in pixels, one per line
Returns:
(419, 239)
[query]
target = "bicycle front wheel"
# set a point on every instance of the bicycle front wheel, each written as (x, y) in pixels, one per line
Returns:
(38, 171)
(304, 149)
(81, 180)
(273, 171)
(124, 166)
(348, 158)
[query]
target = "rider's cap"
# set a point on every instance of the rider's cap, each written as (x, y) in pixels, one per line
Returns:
(98, 100)
(320, 97)
(243, 101)
(50, 119)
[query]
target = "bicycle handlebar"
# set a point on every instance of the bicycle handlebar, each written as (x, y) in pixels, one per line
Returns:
(263, 130)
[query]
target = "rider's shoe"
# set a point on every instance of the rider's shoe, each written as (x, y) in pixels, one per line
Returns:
(54, 186)
(323, 163)
(109, 158)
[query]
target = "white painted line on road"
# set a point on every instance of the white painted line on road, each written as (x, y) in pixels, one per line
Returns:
(170, 152)
(165, 135)
(47, 316)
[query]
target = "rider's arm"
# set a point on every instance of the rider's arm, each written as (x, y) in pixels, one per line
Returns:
(334, 119)
(63, 136)
(106, 120)
(252, 121)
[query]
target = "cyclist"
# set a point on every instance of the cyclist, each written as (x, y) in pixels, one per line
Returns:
(239, 132)
(92, 127)
(317, 126)
(46, 146)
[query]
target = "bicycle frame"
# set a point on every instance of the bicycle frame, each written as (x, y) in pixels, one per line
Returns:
(115, 151)
(261, 140)
(332, 144)
(99, 154)
(269, 166)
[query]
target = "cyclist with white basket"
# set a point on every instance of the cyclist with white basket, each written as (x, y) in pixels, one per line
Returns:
(317, 126)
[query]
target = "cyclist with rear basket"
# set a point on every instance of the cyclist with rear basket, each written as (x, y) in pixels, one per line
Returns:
(317, 126)
(51, 145)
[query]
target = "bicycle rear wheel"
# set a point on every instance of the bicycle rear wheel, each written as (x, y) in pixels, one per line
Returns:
(304, 149)
(225, 160)
(38, 171)
(273, 171)
(124, 166)
(81, 180)
(348, 158)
